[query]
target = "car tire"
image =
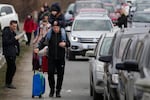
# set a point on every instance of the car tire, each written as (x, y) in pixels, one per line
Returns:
(71, 56)
(97, 96)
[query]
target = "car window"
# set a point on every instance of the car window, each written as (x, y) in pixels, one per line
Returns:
(7, 10)
(97, 46)
(138, 50)
(104, 50)
(141, 17)
(121, 47)
(80, 5)
(92, 25)
(127, 50)
(70, 8)
(110, 9)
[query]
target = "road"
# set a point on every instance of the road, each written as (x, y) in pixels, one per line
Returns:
(75, 86)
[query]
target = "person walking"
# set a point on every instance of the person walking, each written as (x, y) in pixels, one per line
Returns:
(56, 58)
(10, 46)
(29, 27)
(123, 19)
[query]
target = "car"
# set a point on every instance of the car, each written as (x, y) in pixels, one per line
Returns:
(80, 4)
(7, 13)
(111, 12)
(123, 39)
(141, 19)
(142, 6)
(85, 32)
(96, 67)
(129, 72)
(69, 15)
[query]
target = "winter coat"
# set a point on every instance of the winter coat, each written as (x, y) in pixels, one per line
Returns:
(9, 43)
(54, 50)
(122, 20)
(59, 17)
(29, 25)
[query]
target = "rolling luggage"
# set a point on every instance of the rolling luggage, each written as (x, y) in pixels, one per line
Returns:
(35, 61)
(38, 86)
(44, 63)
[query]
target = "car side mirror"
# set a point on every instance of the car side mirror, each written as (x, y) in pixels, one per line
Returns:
(3, 13)
(128, 66)
(106, 59)
(71, 12)
(90, 53)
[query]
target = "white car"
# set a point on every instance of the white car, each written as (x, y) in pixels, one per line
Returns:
(85, 32)
(7, 13)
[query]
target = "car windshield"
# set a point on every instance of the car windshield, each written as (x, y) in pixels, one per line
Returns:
(81, 5)
(141, 17)
(104, 51)
(70, 8)
(92, 25)
(142, 7)
(107, 1)
(110, 9)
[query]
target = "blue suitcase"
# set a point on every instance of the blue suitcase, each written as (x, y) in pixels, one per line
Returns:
(38, 86)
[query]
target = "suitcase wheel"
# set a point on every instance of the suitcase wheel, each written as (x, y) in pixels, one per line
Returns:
(32, 96)
(40, 96)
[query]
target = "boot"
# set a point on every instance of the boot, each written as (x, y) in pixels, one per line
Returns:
(51, 94)
(58, 94)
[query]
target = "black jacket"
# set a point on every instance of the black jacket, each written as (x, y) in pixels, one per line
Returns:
(59, 17)
(54, 50)
(9, 44)
(122, 20)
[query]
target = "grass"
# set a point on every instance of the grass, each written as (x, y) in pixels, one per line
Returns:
(23, 49)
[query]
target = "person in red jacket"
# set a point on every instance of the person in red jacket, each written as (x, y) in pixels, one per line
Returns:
(29, 28)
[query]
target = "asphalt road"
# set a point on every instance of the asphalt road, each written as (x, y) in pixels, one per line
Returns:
(75, 86)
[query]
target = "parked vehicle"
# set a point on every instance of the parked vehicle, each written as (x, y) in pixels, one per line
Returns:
(129, 71)
(80, 4)
(141, 19)
(96, 68)
(85, 32)
(123, 39)
(7, 13)
(69, 15)
(111, 12)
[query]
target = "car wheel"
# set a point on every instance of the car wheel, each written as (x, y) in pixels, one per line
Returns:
(71, 56)
(97, 96)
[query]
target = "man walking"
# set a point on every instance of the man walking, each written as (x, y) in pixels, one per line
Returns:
(56, 58)
(10, 46)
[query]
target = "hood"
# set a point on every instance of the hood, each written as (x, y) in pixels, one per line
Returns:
(88, 34)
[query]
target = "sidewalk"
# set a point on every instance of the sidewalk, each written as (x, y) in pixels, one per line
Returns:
(22, 80)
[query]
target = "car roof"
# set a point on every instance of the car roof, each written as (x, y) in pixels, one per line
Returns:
(88, 1)
(93, 16)
(1, 5)
(134, 31)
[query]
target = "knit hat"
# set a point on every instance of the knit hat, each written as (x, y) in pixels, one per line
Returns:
(55, 7)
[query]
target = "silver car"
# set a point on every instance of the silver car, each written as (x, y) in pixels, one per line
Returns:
(86, 30)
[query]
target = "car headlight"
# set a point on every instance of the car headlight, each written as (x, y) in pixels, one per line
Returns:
(115, 78)
(74, 39)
